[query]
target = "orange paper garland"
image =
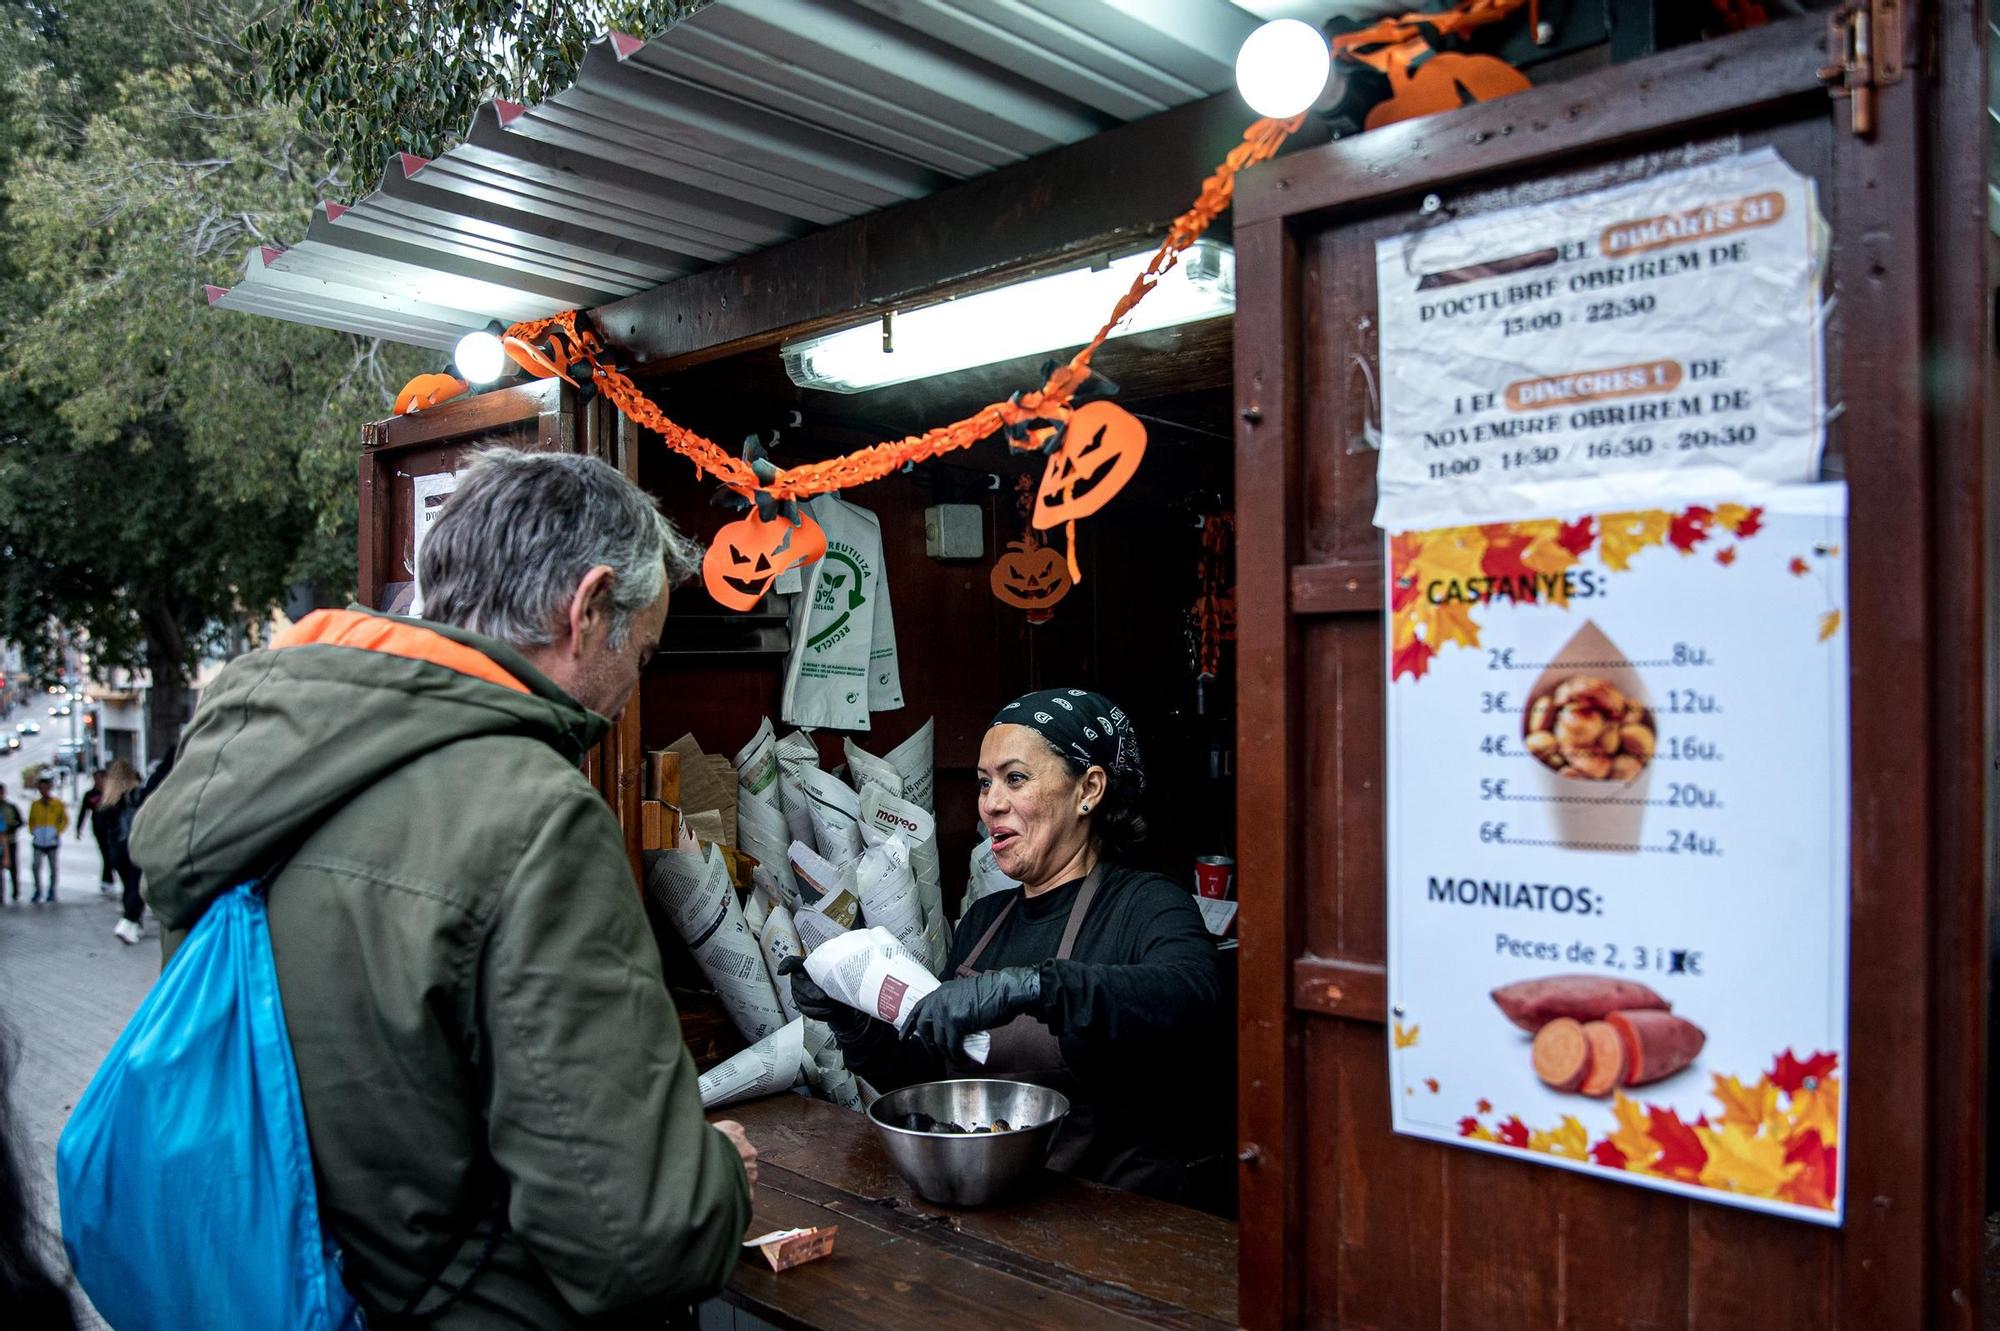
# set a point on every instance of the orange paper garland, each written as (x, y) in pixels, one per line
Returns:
(1050, 402)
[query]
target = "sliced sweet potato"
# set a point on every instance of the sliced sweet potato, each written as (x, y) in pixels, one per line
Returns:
(1531, 1004)
(1657, 1044)
(1561, 1054)
(1607, 1059)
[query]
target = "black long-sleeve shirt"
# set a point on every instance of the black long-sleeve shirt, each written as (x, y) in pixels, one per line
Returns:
(1137, 1010)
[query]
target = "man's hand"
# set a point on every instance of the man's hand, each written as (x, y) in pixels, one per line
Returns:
(959, 1008)
(733, 1130)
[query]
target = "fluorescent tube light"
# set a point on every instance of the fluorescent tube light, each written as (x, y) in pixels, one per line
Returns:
(1037, 314)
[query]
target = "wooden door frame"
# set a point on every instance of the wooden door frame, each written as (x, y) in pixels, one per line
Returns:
(1922, 833)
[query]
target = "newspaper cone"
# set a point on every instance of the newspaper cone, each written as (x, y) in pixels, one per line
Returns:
(865, 769)
(912, 759)
(779, 939)
(774, 1064)
(696, 893)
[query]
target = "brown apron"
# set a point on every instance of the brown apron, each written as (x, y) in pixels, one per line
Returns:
(1025, 1050)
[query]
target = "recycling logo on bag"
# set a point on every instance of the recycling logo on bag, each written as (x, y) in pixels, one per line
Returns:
(842, 590)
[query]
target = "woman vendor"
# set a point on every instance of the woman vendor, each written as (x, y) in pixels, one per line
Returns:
(1097, 980)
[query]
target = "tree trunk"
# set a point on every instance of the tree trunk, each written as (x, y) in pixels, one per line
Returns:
(167, 698)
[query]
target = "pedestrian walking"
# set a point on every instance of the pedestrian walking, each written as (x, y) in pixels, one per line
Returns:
(454, 922)
(10, 841)
(90, 810)
(120, 796)
(47, 817)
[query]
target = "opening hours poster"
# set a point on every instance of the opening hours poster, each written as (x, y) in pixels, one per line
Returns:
(1617, 706)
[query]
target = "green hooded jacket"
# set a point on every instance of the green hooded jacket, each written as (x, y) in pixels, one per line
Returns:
(473, 995)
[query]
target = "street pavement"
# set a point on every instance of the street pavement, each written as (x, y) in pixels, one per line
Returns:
(67, 986)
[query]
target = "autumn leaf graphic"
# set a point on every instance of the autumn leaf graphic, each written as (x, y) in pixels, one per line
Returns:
(1423, 561)
(1431, 1084)
(1405, 1036)
(1690, 529)
(1817, 1110)
(1569, 1140)
(1413, 658)
(1744, 522)
(1681, 1153)
(1632, 1140)
(1776, 1138)
(1829, 624)
(1799, 567)
(1726, 556)
(1484, 1106)
(1622, 535)
(1817, 1163)
(1789, 1073)
(1577, 537)
(1739, 1160)
(1749, 1106)
(1608, 1155)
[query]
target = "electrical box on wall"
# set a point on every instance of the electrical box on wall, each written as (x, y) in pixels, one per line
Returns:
(955, 531)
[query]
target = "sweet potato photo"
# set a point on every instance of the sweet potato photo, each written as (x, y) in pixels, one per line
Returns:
(1532, 1004)
(1562, 1054)
(1657, 1044)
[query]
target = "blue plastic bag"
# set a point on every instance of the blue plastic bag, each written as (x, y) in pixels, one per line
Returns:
(185, 1175)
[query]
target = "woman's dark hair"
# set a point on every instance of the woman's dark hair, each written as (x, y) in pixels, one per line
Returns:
(39, 1300)
(1116, 821)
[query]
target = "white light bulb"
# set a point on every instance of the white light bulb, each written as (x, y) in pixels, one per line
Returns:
(1282, 68)
(479, 357)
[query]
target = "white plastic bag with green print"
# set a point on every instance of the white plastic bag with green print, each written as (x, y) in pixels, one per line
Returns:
(838, 647)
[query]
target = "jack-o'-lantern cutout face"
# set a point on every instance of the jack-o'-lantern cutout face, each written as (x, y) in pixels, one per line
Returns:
(1445, 83)
(1101, 450)
(747, 556)
(1031, 577)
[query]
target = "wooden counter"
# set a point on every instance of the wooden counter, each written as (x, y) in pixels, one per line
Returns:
(1070, 1255)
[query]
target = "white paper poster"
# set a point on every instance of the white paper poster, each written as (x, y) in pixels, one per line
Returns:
(427, 496)
(1652, 342)
(1617, 843)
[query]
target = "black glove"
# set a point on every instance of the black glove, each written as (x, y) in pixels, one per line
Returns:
(958, 1008)
(848, 1024)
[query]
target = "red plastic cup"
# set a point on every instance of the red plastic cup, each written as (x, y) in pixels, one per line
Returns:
(1215, 876)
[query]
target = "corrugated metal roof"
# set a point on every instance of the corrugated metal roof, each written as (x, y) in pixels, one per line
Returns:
(754, 122)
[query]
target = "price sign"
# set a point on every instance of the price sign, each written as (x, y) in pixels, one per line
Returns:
(1617, 843)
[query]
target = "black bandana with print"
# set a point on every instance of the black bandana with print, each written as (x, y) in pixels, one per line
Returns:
(1088, 727)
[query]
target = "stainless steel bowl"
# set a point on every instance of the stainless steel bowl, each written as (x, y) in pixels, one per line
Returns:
(971, 1169)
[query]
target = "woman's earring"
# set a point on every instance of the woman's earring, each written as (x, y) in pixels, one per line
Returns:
(1084, 809)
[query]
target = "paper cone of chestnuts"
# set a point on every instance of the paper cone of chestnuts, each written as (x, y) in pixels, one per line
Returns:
(1589, 725)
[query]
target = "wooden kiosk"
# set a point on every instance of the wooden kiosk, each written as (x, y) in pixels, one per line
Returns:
(1344, 1222)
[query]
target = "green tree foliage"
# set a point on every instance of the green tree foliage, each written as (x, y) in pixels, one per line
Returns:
(377, 77)
(165, 469)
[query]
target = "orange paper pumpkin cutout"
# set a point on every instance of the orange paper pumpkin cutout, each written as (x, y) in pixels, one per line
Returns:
(533, 359)
(1444, 83)
(1032, 578)
(427, 390)
(747, 556)
(1101, 450)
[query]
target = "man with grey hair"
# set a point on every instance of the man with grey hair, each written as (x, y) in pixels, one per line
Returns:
(505, 1125)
